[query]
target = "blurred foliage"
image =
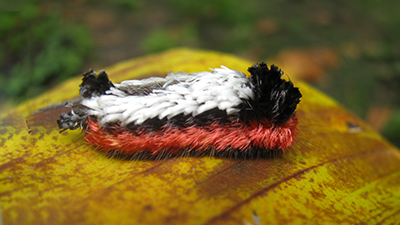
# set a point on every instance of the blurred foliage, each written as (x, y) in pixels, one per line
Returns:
(227, 25)
(118, 5)
(38, 50)
(162, 39)
(126, 4)
(159, 40)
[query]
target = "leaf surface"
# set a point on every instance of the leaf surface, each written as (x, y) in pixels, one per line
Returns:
(338, 171)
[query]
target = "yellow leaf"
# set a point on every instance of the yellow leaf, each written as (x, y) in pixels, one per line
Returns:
(338, 171)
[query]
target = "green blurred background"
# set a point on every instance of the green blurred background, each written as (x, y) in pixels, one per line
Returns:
(348, 49)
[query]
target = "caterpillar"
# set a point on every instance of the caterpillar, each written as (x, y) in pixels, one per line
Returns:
(221, 111)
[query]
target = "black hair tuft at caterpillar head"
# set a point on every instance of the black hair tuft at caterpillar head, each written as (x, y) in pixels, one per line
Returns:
(274, 98)
(94, 85)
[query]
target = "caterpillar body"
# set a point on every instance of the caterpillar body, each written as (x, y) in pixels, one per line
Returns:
(221, 111)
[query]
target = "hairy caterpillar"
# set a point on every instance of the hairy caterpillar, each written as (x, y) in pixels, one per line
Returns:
(221, 111)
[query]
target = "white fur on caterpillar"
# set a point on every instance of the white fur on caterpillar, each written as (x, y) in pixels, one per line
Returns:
(178, 93)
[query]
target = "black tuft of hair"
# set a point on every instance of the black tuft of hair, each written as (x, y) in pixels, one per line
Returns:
(274, 98)
(94, 85)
